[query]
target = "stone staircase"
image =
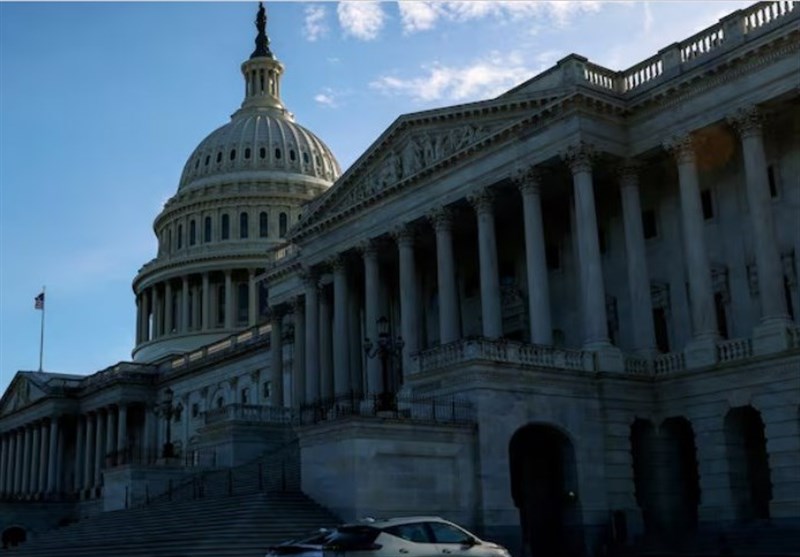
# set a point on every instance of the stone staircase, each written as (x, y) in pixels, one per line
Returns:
(225, 526)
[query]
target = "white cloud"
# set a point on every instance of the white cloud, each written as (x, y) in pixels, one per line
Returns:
(362, 19)
(327, 97)
(314, 27)
(483, 78)
(422, 15)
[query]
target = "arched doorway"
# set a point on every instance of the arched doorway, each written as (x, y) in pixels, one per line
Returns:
(748, 463)
(13, 536)
(679, 478)
(643, 440)
(544, 488)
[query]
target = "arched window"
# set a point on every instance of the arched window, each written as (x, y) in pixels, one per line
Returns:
(180, 236)
(247, 153)
(208, 159)
(243, 225)
(220, 402)
(277, 153)
(192, 232)
(305, 157)
(207, 230)
(233, 154)
(243, 302)
(219, 157)
(283, 223)
(169, 240)
(263, 225)
(292, 155)
(226, 227)
(262, 153)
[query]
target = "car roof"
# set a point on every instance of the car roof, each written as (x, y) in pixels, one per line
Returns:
(395, 521)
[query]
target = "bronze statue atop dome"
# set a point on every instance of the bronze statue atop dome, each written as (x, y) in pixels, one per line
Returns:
(262, 40)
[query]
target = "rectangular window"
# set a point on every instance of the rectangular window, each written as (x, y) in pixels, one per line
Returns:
(722, 315)
(180, 236)
(195, 410)
(660, 325)
(267, 390)
(708, 204)
(773, 182)
(649, 224)
(245, 396)
(192, 233)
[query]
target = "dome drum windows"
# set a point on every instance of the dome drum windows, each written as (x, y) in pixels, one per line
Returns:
(263, 225)
(233, 154)
(243, 226)
(219, 157)
(262, 153)
(247, 153)
(226, 227)
(207, 230)
(192, 232)
(180, 236)
(283, 224)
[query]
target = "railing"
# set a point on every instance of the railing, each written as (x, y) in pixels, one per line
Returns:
(251, 335)
(600, 76)
(434, 409)
(760, 14)
(702, 43)
(642, 73)
(667, 363)
(636, 365)
(477, 349)
(249, 413)
(735, 349)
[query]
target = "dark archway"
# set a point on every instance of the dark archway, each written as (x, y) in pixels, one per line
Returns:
(544, 488)
(13, 536)
(643, 441)
(680, 481)
(748, 463)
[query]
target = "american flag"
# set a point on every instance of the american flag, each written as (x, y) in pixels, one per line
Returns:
(38, 301)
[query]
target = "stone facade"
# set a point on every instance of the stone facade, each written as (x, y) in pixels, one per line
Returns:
(579, 296)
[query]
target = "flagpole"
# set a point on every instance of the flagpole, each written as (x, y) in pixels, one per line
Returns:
(41, 335)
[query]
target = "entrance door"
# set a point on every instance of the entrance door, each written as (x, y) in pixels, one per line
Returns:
(544, 488)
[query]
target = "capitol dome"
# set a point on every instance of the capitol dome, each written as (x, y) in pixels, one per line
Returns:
(241, 190)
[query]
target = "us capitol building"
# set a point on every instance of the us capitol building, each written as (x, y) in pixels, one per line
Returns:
(562, 314)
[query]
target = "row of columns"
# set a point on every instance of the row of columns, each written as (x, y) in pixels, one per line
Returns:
(154, 315)
(312, 324)
(99, 433)
(29, 459)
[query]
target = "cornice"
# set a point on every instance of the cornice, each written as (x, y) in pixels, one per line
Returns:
(156, 266)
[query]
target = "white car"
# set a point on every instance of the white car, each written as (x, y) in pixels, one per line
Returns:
(414, 536)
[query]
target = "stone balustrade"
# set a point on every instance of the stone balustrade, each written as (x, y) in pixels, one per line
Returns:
(668, 363)
(760, 14)
(481, 349)
(249, 413)
(734, 349)
(794, 337)
(252, 334)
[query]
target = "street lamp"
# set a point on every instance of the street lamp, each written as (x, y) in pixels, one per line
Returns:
(384, 348)
(168, 451)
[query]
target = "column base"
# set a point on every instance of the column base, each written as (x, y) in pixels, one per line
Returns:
(771, 336)
(701, 351)
(607, 357)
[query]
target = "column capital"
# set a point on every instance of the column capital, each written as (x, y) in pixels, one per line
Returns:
(482, 200)
(404, 234)
(747, 121)
(628, 173)
(441, 218)
(528, 179)
(368, 249)
(297, 303)
(681, 147)
(309, 276)
(579, 156)
(276, 313)
(337, 263)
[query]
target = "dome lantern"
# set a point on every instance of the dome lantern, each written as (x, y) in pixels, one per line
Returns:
(262, 71)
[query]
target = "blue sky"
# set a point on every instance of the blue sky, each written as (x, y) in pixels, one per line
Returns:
(101, 104)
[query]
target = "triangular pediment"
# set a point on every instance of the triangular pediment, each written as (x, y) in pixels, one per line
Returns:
(416, 144)
(28, 387)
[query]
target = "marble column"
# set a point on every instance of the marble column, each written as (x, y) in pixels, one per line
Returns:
(150, 446)
(206, 303)
(341, 347)
(157, 322)
(442, 220)
(491, 308)
(99, 447)
(19, 449)
(749, 123)
(299, 363)
(312, 337)
(44, 457)
(644, 337)
(3, 462)
(138, 319)
(252, 298)
(276, 356)
(371, 303)
(27, 446)
(593, 297)
(146, 315)
(111, 431)
(228, 300)
(697, 265)
(325, 345)
(197, 297)
(529, 184)
(185, 326)
(80, 452)
(53, 460)
(36, 458)
(409, 294)
(355, 337)
(168, 305)
(88, 460)
(122, 429)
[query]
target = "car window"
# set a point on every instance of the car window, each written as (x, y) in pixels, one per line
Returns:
(445, 533)
(412, 532)
(352, 537)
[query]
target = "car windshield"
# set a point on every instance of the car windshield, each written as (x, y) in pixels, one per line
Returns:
(352, 537)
